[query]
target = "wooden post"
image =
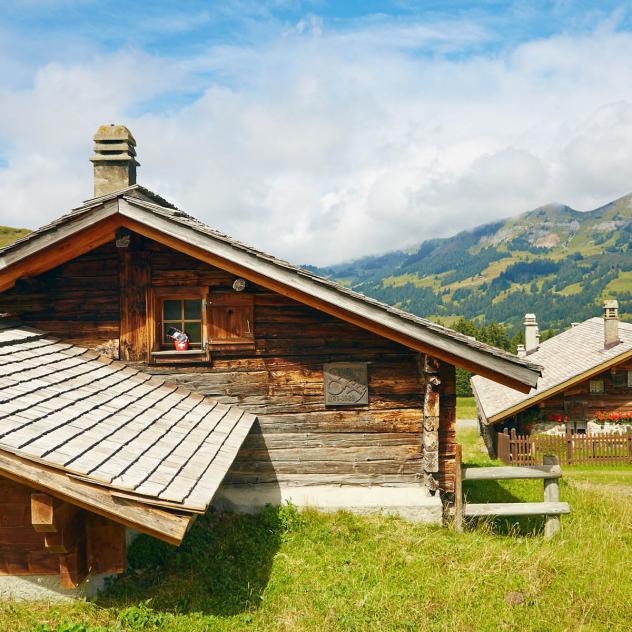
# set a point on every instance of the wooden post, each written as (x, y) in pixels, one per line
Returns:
(569, 445)
(503, 446)
(134, 278)
(458, 489)
(629, 435)
(430, 439)
(551, 495)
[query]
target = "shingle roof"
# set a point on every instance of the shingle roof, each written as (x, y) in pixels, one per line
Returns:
(140, 198)
(72, 409)
(564, 357)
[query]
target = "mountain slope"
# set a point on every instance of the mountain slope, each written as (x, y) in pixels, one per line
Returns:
(8, 235)
(554, 261)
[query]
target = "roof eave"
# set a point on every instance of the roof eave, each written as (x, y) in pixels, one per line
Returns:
(517, 375)
(553, 390)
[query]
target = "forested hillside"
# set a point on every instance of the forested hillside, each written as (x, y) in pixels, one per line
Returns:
(554, 261)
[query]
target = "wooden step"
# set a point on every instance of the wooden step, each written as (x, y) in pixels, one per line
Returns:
(474, 510)
(511, 472)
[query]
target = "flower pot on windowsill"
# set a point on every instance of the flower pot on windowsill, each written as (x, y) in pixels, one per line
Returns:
(181, 345)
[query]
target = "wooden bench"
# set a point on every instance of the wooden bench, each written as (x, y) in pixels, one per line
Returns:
(550, 472)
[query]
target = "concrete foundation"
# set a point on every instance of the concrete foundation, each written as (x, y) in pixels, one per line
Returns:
(46, 588)
(411, 502)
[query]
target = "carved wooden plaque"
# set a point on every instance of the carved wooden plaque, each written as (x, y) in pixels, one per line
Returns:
(346, 384)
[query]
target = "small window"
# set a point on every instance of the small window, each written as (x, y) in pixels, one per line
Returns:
(596, 386)
(629, 378)
(619, 379)
(178, 308)
(184, 314)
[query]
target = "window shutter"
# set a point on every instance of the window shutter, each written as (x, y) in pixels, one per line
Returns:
(231, 319)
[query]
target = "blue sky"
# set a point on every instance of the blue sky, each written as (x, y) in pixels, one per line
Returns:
(321, 130)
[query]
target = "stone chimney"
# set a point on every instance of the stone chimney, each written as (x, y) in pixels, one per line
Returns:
(531, 333)
(610, 323)
(114, 159)
(522, 352)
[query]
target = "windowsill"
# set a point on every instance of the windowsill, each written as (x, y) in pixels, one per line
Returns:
(168, 353)
(173, 357)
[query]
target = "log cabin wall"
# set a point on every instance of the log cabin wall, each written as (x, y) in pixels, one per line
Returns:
(298, 440)
(40, 535)
(78, 300)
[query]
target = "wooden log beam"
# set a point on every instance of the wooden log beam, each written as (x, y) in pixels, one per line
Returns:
(42, 513)
(431, 420)
(69, 529)
(135, 279)
(106, 545)
(94, 234)
(511, 472)
(515, 509)
(165, 525)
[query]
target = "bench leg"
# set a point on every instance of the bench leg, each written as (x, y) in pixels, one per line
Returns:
(551, 494)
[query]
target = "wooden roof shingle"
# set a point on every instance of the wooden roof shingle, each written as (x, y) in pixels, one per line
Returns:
(70, 408)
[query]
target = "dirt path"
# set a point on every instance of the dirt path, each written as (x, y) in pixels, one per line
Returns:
(624, 490)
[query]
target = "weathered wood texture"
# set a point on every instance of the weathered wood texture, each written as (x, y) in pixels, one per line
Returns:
(134, 279)
(74, 543)
(78, 300)
(297, 440)
(447, 428)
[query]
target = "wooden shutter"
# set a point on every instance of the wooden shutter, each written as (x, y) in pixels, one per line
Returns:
(231, 319)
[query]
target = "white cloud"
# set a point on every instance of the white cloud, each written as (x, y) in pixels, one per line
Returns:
(319, 146)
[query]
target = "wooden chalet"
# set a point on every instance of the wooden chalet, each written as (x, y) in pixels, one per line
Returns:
(585, 388)
(292, 388)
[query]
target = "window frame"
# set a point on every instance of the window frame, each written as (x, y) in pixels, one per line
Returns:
(155, 301)
(624, 379)
(595, 381)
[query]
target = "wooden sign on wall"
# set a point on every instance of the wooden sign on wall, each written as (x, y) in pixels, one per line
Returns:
(346, 384)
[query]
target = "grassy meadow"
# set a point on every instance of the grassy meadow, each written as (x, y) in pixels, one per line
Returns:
(285, 570)
(465, 408)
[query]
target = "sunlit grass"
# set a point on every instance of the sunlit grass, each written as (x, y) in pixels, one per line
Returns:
(284, 570)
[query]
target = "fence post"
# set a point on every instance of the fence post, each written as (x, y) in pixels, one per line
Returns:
(515, 453)
(458, 489)
(569, 444)
(502, 441)
(551, 495)
(629, 436)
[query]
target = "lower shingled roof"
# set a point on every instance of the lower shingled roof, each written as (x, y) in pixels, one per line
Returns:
(107, 423)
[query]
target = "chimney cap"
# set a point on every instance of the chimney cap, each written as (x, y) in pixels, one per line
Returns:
(529, 319)
(113, 132)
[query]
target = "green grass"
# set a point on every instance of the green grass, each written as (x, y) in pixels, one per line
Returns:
(8, 235)
(465, 408)
(284, 570)
(623, 283)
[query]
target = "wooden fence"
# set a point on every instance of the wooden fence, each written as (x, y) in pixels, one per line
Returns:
(551, 508)
(600, 449)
